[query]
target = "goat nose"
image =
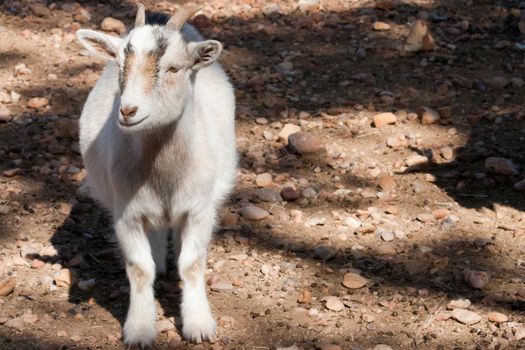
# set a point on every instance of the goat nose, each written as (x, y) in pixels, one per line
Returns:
(128, 111)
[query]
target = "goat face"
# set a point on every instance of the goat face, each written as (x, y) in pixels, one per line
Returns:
(156, 66)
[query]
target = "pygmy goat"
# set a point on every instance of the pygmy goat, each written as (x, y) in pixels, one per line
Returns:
(158, 142)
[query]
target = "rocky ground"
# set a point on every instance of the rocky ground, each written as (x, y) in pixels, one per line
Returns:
(378, 203)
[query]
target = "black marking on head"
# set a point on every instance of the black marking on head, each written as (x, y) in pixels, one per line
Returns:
(156, 18)
(161, 44)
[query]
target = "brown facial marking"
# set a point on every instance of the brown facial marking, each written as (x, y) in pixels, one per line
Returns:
(149, 71)
(129, 61)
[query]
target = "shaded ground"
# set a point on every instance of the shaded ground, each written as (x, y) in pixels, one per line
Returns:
(329, 72)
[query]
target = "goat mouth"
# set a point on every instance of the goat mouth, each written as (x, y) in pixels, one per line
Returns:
(127, 125)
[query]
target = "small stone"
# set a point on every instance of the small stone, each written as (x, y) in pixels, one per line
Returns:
(63, 278)
(5, 114)
(305, 144)
(221, 286)
(268, 195)
(323, 252)
(501, 166)
(11, 172)
(497, 82)
(305, 297)
(82, 15)
(7, 285)
(328, 346)
(387, 182)
(263, 180)
(111, 24)
(289, 194)
(416, 160)
(368, 318)
(381, 347)
(458, 304)
(465, 316)
(520, 185)
(352, 280)
(519, 333)
(87, 285)
(397, 141)
(164, 326)
(379, 26)
(288, 130)
(476, 279)
(447, 152)
(15, 323)
(440, 213)
(251, 212)
(428, 116)
(419, 38)
(37, 102)
(425, 217)
(307, 5)
(387, 236)
(383, 119)
(309, 192)
(334, 304)
(39, 9)
(387, 248)
(29, 318)
(445, 112)
(497, 317)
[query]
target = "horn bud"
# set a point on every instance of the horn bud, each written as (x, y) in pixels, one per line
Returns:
(140, 20)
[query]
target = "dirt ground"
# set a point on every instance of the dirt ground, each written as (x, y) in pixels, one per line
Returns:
(393, 226)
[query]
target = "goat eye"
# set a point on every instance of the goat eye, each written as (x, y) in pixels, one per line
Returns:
(172, 69)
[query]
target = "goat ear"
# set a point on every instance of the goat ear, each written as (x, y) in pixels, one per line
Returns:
(204, 53)
(100, 44)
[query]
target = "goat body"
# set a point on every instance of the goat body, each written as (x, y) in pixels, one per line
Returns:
(167, 176)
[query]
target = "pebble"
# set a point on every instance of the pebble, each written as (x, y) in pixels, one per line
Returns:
(37, 102)
(447, 152)
(368, 318)
(387, 182)
(497, 82)
(381, 347)
(352, 280)
(379, 26)
(63, 278)
(334, 303)
(15, 323)
(397, 141)
(86, 285)
(263, 180)
(387, 236)
(251, 212)
(476, 279)
(465, 316)
(458, 304)
(305, 297)
(164, 326)
(268, 195)
(7, 285)
(11, 172)
(419, 38)
(307, 5)
(288, 130)
(519, 333)
(428, 116)
(82, 15)
(497, 317)
(221, 286)
(111, 24)
(328, 346)
(5, 114)
(501, 166)
(416, 160)
(39, 9)
(520, 185)
(382, 119)
(305, 144)
(29, 318)
(289, 194)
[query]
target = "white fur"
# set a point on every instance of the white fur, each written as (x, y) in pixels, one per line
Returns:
(170, 172)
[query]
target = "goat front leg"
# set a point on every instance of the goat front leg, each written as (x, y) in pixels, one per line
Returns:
(197, 320)
(139, 328)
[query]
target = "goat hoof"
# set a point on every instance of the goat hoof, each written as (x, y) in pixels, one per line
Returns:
(201, 329)
(138, 335)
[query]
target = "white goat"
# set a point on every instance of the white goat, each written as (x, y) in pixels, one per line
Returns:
(158, 142)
